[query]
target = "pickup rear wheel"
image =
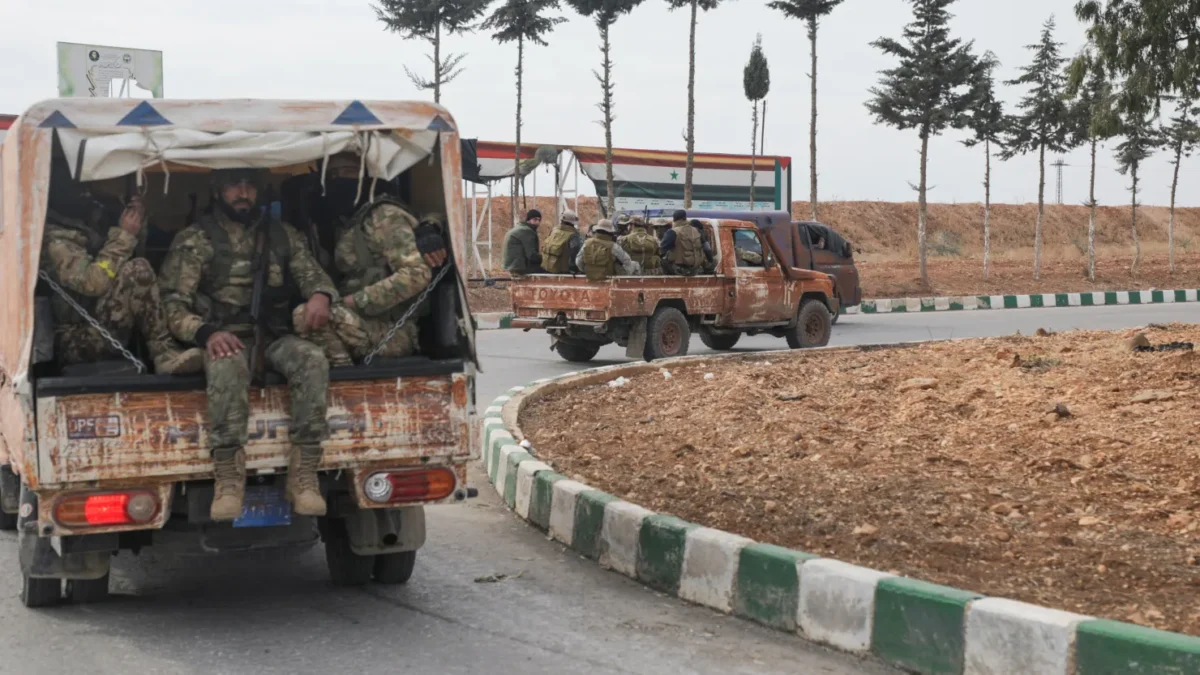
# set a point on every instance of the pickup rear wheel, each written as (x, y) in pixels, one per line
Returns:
(813, 326)
(667, 334)
(395, 568)
(346, 568)
(719, 341)
(576, 352)
(40, 592)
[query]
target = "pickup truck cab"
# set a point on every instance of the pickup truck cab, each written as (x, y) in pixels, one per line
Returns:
(101, 457)
(750, 292)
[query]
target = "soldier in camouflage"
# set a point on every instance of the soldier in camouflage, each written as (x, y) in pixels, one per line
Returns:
(95, 265)
(383, 258)
(207, 285)
(642, 246)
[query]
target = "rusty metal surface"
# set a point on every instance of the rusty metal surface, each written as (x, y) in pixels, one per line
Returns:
(122, 436)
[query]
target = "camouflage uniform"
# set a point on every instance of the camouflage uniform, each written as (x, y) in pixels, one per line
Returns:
(643, 248)
(383, 271)
(101, 275)
(197, 305)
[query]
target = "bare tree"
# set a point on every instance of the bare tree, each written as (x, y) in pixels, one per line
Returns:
(695, 6)
(427, 20)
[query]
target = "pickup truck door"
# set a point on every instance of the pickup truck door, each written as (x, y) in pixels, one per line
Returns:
(758, 280)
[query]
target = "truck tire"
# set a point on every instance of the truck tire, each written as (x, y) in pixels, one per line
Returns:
(576, 352)
(40, 592)
(719, 341)
(346, 568)
(10, 493)
(813, 326)
(84, 591)
(395, 568)
(667, 334)
(8, 522)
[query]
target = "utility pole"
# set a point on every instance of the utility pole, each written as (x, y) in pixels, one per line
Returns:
(1059, 166)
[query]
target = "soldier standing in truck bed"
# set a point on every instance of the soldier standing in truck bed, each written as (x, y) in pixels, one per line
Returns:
(562, 246)
(682, 248)
(600, 254)
(642, 246)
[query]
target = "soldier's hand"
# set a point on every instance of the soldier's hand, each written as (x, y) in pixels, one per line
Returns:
(430, 244)
(223, 344)
(436, 258)
(316, 312)
(348, 301)
(134, 216)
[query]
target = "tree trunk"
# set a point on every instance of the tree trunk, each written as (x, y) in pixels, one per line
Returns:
(923, 207)
(1137, 244)
(762, 125)
(987, 207)
(1171, 222)
(437, 63)
(1037, 230)
(691, 112)
(608, 118)
(516, 185)
(812, 126)
(1092, 216)
(753, 154)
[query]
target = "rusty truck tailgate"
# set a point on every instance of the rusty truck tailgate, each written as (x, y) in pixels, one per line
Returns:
(545, 295)
(130, 434)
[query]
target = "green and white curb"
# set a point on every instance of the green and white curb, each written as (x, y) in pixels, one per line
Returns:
(978, 302)
(494, 320)
(917, 626)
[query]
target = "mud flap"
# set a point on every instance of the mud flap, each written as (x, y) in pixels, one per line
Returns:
(637, 339)
(41, 558)
(376, 531)
(10, 490)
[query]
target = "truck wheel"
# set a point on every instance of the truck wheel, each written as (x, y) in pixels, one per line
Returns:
(395, 568)
(719, 341)
(667, 334)
(575, 352)
(346, 568)
(813, 326)
(40, 592)
(10, 495)
(8, 522)
(84, 591)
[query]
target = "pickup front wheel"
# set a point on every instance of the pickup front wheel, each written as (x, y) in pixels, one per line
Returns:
(813, 326)
(667, 334)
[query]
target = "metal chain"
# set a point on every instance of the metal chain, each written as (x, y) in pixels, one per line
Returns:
(116, 344)
(407, 314)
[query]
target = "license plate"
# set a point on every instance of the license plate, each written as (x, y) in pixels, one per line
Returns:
(264, 506)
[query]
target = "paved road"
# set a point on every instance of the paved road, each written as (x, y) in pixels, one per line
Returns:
(277, 613)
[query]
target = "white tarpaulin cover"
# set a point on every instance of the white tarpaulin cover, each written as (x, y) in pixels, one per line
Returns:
(111, 155)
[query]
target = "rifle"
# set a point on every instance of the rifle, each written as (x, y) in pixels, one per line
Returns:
(260, 268)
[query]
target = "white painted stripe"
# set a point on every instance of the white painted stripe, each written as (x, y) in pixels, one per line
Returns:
(854, 310)
(562, 510)
(1006, 636)
(525, 473)
(501, 476)
(710, 564)
(493, 411)
(619, 537)
(941, 304)
(1024, 301)
(1168, 296)
(997, 302)
(1190, 295)
(1048, 300)
(499, 438)
(516, 390)
(1122, 297)
(490, 426)
(970, 302)
(1074, 299)
(837, 603)
(913, 304)
(883, 306)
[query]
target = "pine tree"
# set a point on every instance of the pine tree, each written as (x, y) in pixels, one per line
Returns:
(756, 82)
(987, 122)
(1153, 44)
(1137, 146)
(605, 13)
(1044, 122)
(428, 20)
(695, 6)
(811, 12)
(1093, 121)
(521, 21)
(1180, 136)
(930, 90)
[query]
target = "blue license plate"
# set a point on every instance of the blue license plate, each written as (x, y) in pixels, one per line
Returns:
(264, 506)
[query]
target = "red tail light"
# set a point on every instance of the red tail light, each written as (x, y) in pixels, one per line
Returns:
(421, 485)
(108, 508)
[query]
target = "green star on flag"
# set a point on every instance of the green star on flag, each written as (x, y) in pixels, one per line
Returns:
(674, 175)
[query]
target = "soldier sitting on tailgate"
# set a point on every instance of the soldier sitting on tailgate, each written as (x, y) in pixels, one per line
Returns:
(383, 259)
(600, 254)
(562, 247)
(90, 258)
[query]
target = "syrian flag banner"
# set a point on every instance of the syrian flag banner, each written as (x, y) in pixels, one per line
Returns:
(652, 179)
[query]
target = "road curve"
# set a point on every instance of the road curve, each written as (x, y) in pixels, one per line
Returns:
(276, 612)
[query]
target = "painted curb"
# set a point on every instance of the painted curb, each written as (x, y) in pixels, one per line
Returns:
(914, 625)
(498, 320)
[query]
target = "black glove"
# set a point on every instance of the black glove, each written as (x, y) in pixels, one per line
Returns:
(535, 259)
(429, 238)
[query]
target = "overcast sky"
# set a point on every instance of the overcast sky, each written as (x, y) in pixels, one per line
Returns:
(337, 49)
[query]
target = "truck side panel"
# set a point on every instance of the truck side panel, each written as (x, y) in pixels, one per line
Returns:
(545, 296)
(122, 436)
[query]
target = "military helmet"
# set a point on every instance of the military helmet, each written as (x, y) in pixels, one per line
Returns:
(605, 225)
(570, 217)
(624, 219)
(224, 177)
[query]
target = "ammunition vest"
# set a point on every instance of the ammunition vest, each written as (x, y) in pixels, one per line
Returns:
(556, 252)
(689, 246)
(220, 275)
(371, 268)
(642, 247)
(599, 263)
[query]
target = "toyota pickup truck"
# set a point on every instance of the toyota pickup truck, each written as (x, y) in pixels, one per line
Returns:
(101, 457)
(750, 292)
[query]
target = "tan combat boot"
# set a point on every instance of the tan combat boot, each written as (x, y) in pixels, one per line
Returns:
(177, 362)
(303, 488)
(229, 470)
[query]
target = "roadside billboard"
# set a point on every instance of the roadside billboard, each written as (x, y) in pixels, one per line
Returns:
(92, 71)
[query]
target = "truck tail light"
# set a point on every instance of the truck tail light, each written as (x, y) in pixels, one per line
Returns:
(133, 507)
(419, 485)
